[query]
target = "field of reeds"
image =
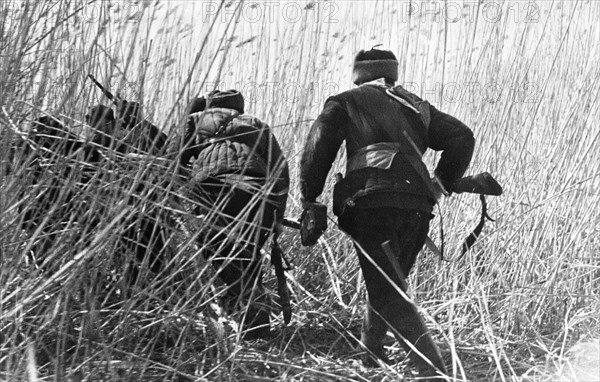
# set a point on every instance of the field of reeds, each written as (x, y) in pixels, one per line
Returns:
(522, 305)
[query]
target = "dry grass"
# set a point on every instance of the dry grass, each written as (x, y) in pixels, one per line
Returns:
(513, 309)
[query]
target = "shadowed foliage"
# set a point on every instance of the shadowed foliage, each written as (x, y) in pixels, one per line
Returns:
(525, 81)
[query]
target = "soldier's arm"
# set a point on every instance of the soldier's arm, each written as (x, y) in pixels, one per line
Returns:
(322, 144)
(455, 140)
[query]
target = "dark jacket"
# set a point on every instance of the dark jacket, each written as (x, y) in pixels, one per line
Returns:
(54, 163)
(145, 138)
(221, 141)
(141, 138)
(368, 116)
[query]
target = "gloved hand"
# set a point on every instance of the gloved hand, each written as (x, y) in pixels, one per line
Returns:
(313, 222)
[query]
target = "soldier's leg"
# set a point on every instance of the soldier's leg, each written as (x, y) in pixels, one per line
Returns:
(241, 271)
(257, 307)
(412, 228)
(374, 329)
(238, 264)
(387, 307)
(127, 248)
(140, 244)
(151, 243)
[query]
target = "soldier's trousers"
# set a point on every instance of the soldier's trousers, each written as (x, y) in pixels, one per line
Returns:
(406, 230)
(144, 237)
(238, 226)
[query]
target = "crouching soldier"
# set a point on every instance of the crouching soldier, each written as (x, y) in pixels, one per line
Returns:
(102, 120)
(134, 138)
(386, 200)
(128, 133)
(52, 161)
(142, 136)
(239, 180)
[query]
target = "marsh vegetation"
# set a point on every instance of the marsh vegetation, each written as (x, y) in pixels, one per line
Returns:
(523, 76)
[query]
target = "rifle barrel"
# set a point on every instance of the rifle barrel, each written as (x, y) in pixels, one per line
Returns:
(106, 93)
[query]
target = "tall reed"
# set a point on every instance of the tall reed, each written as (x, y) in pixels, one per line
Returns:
(523, 76)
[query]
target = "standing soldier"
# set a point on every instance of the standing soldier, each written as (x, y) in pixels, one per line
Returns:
(386, 198)
(239, 180)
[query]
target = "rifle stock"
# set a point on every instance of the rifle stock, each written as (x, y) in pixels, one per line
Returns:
(482, 183)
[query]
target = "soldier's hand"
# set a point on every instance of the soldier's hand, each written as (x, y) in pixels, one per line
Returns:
(438, 188)
(313, 223)
(306, 204)
(277, 228)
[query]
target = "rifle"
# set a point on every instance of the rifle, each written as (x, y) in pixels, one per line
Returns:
(116, 100)
(482, 183)
(128, 111)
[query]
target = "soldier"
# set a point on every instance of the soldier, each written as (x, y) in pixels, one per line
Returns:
(240, 179)
(56, 179)
(133, 137)
(129, 133)
(102, 119)
(137, 134)
(142, 136)
(387, 197)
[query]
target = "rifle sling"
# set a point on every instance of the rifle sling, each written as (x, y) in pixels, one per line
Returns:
(470, 240)
(282, 288)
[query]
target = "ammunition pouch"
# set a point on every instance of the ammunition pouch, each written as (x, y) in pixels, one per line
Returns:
(313, 223)
(342, 196)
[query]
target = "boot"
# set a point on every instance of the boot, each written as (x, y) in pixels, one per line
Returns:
(407, 325)
(412, 329)
(372, 335)
(256, 320)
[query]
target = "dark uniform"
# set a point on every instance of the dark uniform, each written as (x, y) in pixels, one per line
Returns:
(142, 136)
(386, 194)
(130, 134)
(57, 181)
(240, 179)
(102, 120)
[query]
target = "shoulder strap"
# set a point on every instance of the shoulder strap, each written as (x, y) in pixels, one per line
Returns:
(404, 138)
(418, 105)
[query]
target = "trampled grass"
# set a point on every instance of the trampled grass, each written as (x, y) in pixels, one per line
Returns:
(522, 305)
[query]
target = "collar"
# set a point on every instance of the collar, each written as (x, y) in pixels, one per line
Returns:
(403, 101)
(377, 82)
